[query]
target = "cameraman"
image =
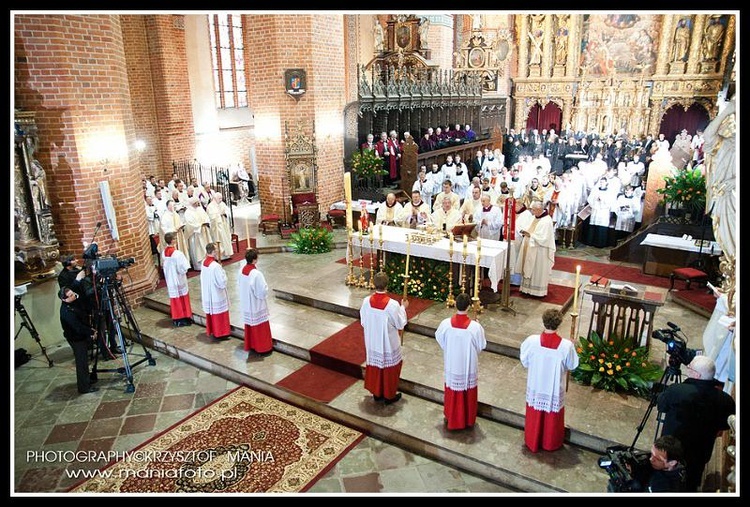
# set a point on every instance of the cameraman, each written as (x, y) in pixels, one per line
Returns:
(696, 412)
(666, 472)
(74, 319)
(73, 276)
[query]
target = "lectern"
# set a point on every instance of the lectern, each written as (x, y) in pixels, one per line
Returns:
(622, 313)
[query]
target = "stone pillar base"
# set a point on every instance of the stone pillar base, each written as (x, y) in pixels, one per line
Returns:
(677, 68)
(535, 71)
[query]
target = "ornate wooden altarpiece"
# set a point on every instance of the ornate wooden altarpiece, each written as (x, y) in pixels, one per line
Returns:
(597, 91)
(36, 247)
(300, 154)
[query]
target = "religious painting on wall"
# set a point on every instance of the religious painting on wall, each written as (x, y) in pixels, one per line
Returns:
(619, 43)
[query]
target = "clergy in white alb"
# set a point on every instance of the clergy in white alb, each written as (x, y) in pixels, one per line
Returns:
(253, 291)
(382, 319)
(198, 232)
(218, 212)
(175, 266)
(536, 255)
(548, 357)
(214, 295)
(471, 205)
(461, 340)
(523, 219)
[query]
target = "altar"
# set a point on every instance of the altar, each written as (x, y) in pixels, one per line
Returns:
(492, 253)
(664, 254)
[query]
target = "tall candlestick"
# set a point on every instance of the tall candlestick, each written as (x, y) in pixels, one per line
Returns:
(408, 252)
(575, 290)
(247, 232)
(348, 197)
(466, 239)
(476, 268)
(380, 232)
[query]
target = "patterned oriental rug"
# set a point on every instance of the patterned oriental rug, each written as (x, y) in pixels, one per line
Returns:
(244, 442)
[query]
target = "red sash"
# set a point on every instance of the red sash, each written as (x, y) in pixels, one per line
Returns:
(247, 268)
(379, 300)
(207, 261)
(169, 251)
(460, 320)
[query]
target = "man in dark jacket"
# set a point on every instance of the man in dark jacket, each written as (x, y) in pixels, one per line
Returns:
(696, 411)
(79, 334)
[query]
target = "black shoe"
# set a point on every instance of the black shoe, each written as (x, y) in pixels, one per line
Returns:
(377, 398)
(221, 338)
(187, 322)
(91, 390)
(176, 323)
(394, 399)
(265, 354)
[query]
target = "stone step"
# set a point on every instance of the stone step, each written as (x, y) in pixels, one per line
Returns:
(493, 449)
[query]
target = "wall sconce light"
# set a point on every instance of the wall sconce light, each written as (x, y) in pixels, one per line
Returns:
(104, 163)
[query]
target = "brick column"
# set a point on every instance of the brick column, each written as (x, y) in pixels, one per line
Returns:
(71, 71)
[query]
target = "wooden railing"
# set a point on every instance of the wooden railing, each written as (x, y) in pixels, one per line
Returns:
(466, 150)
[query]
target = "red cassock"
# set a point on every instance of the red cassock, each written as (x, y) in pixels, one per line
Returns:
(179, 306)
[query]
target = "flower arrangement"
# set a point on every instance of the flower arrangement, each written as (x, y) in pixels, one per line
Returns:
(427, 277)
(686, 189)
(311, 240)
(365, 163)
(614, 365)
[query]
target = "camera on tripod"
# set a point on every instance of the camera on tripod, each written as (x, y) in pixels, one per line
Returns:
(676, 346)
(626, 468)
(105, 267)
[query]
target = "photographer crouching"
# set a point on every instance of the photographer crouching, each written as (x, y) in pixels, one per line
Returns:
(663, 470)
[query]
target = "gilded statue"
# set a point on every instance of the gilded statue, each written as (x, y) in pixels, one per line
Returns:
(536, 34)
(561, 39)
(681, 41)
(712, 39)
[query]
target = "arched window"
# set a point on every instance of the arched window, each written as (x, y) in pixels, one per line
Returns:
(228, 60)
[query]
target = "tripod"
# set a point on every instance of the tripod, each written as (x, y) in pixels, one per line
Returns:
(26, 323)
(113, 308)
(671, 374)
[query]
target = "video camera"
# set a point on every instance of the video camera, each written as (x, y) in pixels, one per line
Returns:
(628, 469)
(676, 347)
(107, 266)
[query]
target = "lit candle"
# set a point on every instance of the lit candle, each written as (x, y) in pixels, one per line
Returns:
(476, 268)
(466, 243)
(575, 290)
(348, 197)
(247, 232)
(408, 252)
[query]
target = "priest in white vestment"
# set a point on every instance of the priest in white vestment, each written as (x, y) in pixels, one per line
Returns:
(489, 219)
(471, 205)
(523, 219)
(461, 340)
(382, 319)
(198, 231)
(218, 212)
(175, 266)
(389, 210)
(425, 186)
(253, 291)
(446, 217)
(214, 295)
(536, 255)
(548, 357)
(415, 213)
(171, 221)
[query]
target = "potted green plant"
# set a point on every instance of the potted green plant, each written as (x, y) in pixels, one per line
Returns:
(366, 167)
(686, 190)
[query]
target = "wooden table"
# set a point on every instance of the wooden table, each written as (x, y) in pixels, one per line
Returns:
(664, 254)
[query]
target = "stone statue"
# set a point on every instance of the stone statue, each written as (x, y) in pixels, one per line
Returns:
(476, 21)
(378, 36)
(712, 39)
(424, 27)
(37, 181)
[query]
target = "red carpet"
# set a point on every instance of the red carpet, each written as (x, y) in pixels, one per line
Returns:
(366, 262)
(317, 382)
(696, 297)
(343, 352)
(556, 294)
(611, 271)
(236, 257)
